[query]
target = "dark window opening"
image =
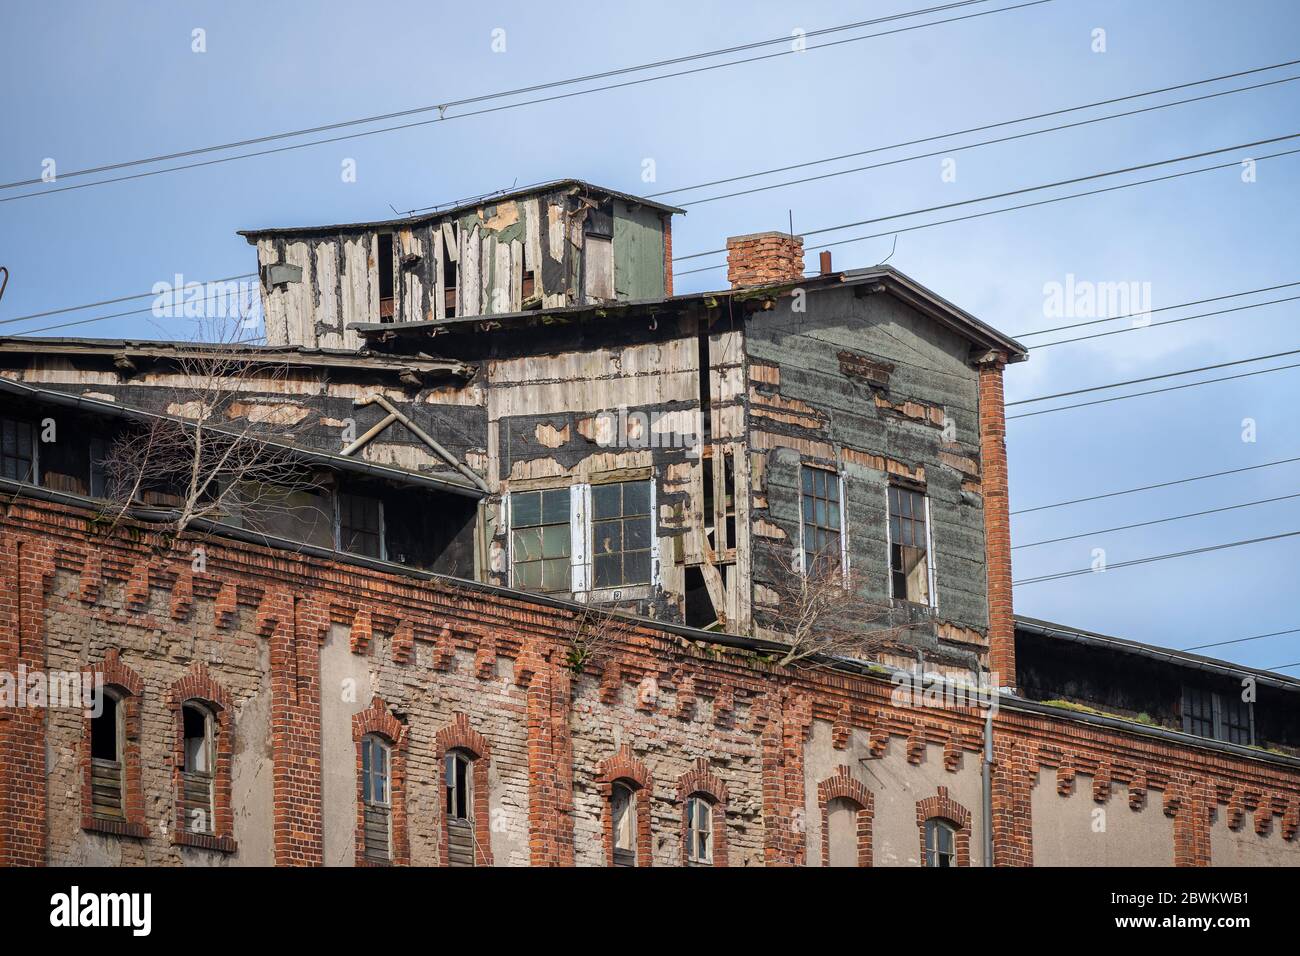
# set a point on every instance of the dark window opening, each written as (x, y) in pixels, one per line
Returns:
(448, 280)
(621, 533)
(197, 770)
(459, 785)
(17, 450)
(821, 520)
(909, 563)
(528, 290)
(540, 539)
(106, 764)
(699, 606)
(386, 300)
(103, 731)
(706, 391)
(361, 526)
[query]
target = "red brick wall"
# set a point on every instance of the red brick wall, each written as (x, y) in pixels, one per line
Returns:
(764, 258)
(488, 673)
(997, 521)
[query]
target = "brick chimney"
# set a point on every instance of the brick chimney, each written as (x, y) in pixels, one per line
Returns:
(997, 517)
(764, 258)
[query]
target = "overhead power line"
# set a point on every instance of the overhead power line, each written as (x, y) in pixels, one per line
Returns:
(1161, 484)
(125, 298)
(1156, 325)
(1024, 190)
(990, 126)
(1061, 575)
(1242, 640)
(1163, 308)
(1146, 524)
(1152, 378)
(441, 108)
(1154, 391)
(948, 151)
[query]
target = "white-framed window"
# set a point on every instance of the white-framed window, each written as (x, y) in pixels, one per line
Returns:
(940, 843)
(699, 830)
(622, 806)
(911, 566)
(583, 538)
(821, 520)
(541, 540)
(622, 533)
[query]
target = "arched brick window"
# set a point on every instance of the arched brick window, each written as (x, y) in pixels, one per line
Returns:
(944, 826)
(464, 756)
(627, 788)
(112, 798)
(847, 808)
(381, 741)
(703, 798)
(202, 755)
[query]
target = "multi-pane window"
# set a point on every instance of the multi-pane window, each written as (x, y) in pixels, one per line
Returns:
(821, 520)
(699, 831)
(459, 782)
(540, 539)
(17, 450)
(1218, 716)
(375, 793)
(620, 533)
(940, 843)
(198, 770)
(909, 563)
(622, 801)
(361, 525)
(106, 764)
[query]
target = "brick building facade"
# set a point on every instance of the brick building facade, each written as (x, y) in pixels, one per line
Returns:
(319, 701)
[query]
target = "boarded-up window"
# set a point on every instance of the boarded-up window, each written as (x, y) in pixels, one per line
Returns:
(909, 562)
(106, 759)
(540, 539)
(376, 809)
(620, 533)
(597, 268)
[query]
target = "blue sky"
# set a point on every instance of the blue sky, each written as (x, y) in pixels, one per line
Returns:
(89, 83)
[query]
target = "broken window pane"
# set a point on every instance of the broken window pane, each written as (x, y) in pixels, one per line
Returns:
(621, 533)
(821, 520)
(909, 563)
(940, 839)
(540, 539)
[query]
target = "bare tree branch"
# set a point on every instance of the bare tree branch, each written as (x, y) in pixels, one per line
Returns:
(822, 610)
